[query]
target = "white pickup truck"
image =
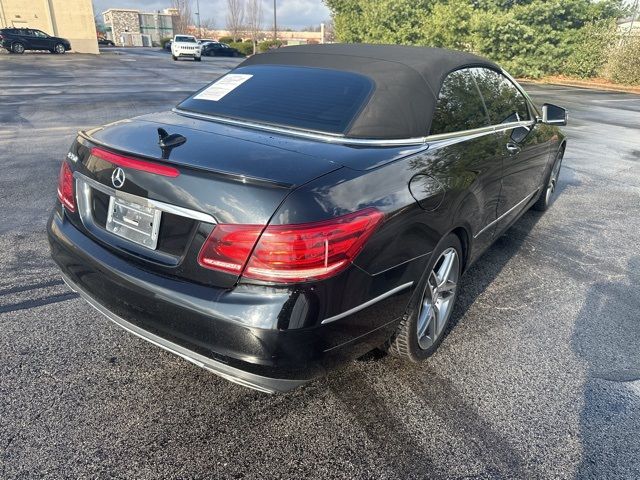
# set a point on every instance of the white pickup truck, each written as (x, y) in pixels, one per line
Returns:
(186, 46)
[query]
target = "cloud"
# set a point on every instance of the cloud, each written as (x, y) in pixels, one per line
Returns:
(293, 14)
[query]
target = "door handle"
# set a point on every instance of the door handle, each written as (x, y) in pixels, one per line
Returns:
(513, 148)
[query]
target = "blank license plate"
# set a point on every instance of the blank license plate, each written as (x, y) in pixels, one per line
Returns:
(135, 222)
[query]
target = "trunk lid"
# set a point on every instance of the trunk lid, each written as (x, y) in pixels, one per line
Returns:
(230, 179)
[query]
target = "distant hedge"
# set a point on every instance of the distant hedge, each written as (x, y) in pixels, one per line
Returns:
(243, 47)
(624, 62)
(269, 44)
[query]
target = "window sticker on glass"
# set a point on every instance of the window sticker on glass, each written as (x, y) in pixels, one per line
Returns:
(223, 86)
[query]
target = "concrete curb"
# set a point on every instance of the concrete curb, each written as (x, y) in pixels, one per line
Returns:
(586, 85)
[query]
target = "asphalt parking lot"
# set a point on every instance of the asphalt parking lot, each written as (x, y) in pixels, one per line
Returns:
(538, 378)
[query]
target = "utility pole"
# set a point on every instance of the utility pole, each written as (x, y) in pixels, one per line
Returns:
(275, 24)
(198, 14)
(633, 17)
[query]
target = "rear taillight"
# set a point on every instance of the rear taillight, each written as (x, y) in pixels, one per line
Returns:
(289, 253)
(228, 247)
(65, 187)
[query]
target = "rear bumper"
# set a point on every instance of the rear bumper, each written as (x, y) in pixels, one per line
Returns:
(247, 379)
(226, 331)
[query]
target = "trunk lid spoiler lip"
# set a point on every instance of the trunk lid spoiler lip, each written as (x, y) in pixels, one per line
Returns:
(88, 136)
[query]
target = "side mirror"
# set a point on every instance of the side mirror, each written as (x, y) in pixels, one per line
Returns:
(554, 115)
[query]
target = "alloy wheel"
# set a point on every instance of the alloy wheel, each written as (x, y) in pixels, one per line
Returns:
(553, 179)
(18, 48)
(438, 298)
(60, 48)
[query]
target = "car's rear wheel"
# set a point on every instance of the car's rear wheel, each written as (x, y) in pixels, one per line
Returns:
(551, 182)
(424, 324)
(17, 48)
(59, 48)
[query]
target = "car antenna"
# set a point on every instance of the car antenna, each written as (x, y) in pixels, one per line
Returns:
(169, 142)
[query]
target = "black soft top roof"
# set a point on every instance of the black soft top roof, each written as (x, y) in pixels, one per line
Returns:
(407, 80)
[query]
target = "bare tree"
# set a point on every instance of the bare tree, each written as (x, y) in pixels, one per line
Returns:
(254, 20)
(235, 17)
(329, 31)
(207, 25)
(184, 18)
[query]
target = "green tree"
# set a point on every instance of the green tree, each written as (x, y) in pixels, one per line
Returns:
(528, 37)
(623, 65)
(449, 24)
(589, 49)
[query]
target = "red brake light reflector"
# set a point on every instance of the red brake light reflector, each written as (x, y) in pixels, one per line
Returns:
(289, 253)
(135, 164)
(65, 187)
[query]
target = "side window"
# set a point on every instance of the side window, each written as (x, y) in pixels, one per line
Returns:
(459, 105)
(504, 101)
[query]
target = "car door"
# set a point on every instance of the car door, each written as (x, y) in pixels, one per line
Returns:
(41, 40)
(24, 36)
(524, 151)
(212, 49)
(34, 42)
(38, 40)
(466, 149)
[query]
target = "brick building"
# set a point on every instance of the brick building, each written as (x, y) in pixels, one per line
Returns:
(128, 27)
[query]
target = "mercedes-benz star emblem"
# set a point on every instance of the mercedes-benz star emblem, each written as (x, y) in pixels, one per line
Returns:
(118, 177)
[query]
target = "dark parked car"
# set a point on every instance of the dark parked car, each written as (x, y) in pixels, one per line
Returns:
(105, 42)
(217, 49)
(17, 40)
(167, 45)
(311, 205)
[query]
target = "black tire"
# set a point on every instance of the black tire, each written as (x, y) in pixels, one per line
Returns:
(18, 48)
(405, 342)
(550, 183)
(198, 59)
(59, 49)
(174, 57)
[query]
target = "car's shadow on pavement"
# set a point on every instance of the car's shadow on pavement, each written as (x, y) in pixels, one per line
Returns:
(606, 335)
(383, 421)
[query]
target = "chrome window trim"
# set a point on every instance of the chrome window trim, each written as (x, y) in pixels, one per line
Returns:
(443, 139)
(364, 305)
(311, 135)
(373, 142)
(165, 207)
(528, 197)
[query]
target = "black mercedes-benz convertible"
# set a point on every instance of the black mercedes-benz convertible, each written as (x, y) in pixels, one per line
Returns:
(313, 204)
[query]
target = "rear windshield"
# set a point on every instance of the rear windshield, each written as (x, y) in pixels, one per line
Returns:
(186, 39)
(299, 97)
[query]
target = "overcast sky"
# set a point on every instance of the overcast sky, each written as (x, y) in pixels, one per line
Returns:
(291, 13)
